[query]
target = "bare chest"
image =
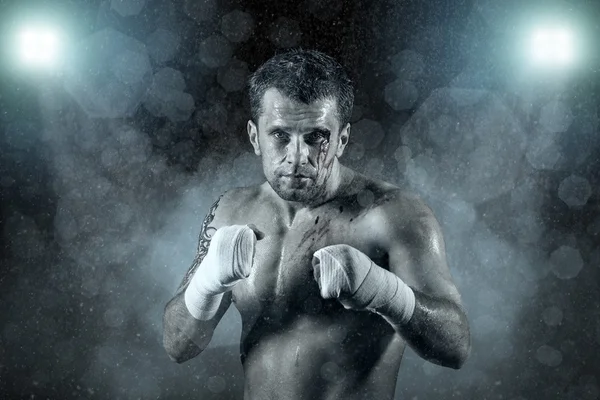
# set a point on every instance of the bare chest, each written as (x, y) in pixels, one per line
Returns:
(282, 284)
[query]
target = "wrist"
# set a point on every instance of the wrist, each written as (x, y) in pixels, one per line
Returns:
(201, 304)
(384, 293)
(398, 308)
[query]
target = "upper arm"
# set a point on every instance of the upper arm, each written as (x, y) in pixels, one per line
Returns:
(415, 247)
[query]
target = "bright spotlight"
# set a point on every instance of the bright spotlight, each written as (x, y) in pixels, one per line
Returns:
(39, 47)
(552, 46)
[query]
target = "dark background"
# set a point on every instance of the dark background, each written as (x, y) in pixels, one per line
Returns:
(108, 165)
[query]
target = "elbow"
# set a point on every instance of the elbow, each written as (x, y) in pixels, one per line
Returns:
(462, 347)
(177, 345)
(460, 357)
(180, 351)
(174, 357)
(454, 357)
(174, 353)
(454, 361)
(177, 357)
(458, 361)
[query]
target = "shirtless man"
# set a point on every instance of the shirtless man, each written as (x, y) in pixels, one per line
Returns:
(333, 272)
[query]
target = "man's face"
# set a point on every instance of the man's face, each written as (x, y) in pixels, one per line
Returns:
(298, 143)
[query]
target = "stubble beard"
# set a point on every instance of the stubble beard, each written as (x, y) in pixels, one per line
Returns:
(309, 194)
(312, 193)
(316, 190)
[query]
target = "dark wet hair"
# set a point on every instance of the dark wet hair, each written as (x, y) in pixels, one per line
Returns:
(304, 76)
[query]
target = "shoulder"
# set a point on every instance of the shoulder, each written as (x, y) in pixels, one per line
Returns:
(383, 198)
(231, 204)
(403, 203)
(400, 214)
(367, 191)
(243, 199)
(239, 196)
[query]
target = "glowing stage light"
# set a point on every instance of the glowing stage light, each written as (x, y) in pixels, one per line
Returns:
(552, 47)
(39, 47)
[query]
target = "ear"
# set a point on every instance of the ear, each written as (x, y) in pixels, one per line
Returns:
(253, 134)
(343, 140)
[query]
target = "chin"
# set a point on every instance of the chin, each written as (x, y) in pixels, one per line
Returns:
(300, 195)
(295, 195)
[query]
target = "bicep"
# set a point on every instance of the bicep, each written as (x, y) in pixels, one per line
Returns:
(417, 254)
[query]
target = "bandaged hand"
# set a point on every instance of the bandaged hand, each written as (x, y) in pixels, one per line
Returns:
(229, 259)
(345, 273)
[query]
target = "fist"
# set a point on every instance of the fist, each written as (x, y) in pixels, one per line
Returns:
(230, 257)
(339, 271)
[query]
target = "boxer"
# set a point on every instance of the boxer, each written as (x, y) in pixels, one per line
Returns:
(334, 273)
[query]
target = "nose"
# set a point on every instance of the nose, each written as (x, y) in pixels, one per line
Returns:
(297, 152)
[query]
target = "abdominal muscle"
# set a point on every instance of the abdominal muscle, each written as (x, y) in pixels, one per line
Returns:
(320, 357)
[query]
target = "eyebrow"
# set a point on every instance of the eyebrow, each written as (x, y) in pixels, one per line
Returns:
(323, 131)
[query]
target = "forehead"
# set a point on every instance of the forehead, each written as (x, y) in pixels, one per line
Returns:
(280, 110)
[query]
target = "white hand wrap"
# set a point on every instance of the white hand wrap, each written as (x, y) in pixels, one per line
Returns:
(228, 260)
(346, 273)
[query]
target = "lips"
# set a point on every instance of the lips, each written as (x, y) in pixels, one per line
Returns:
(296, 176)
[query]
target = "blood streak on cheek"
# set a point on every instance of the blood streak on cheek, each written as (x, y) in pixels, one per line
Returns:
(321, 156)
(323, 152)
(323, 148)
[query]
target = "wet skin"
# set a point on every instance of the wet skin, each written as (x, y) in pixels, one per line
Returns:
(295, 344)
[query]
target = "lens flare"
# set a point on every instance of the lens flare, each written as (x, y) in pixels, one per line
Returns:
(552, 46)
(39, 46)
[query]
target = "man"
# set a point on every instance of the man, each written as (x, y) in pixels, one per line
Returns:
(333, 273)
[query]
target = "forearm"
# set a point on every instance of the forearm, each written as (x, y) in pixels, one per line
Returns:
(184, 337)
(438, 330)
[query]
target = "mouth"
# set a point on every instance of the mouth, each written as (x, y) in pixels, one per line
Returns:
(296, 181)
(296, 176)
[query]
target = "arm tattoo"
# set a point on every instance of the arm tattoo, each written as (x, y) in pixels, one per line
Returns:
(206, 233)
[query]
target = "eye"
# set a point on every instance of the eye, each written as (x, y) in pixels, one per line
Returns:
(279, 135)
(314, 137)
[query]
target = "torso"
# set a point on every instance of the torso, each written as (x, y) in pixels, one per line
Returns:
(295, 344)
